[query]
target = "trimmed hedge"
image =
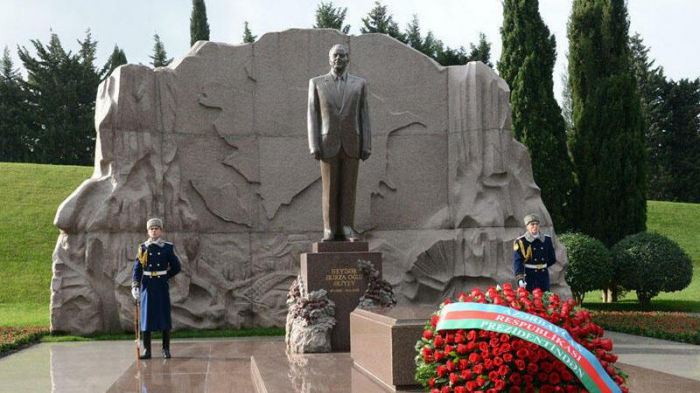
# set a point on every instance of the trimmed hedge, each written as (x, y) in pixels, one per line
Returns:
(590, 264)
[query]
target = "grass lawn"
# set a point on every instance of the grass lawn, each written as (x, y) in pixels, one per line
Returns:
(29, 197)
(681, 223)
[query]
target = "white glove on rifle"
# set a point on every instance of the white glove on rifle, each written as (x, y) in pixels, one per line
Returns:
(521, 283)
(135, 293)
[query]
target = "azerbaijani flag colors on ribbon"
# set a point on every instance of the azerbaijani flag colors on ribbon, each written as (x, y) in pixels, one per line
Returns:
(529, 327)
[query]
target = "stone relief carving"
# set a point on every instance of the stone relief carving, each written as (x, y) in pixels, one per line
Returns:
(216, 145)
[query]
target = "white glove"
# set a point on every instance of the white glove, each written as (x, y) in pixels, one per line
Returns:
(522, 283)
(135, 293)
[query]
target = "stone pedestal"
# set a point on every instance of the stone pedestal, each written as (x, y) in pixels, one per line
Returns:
(333, 266)
(383, 343)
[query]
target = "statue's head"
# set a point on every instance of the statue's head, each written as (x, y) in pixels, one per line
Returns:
(338, 58)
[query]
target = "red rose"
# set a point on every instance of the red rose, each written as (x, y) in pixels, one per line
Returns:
(546, 389)
(532, 368)
(515, 379)
(520, 364)
(567, 375)
(507, 357)
(546, 366)
(500, 384)
(514, 389)
(571, 389)
(467, 374)
(483, 347)
(446, 389)
(471, 346)
(434, 390)
(439, 341)
(460, 389)
(554, 378)
(474, 357)
(461, 349)
(478, 369)
(494, 342)
(530, 389)
(497, 361)
(450, 338)
(441, 371)
(439, 355)
(471, 386)
(606, 344)
(522, 353)
(454, 378)
(431, 382)
(492, 391)
(451, 366)
(493, 375)
(503, 370)
(463, 364)
(481, 381)
(434, 320)
(528, 379)
(542, 376)
(428, 334)
(488, 364)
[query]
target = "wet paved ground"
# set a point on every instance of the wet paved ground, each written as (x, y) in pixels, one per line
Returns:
(218, 365)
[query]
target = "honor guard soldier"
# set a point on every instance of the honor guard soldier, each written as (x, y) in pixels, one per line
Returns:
(155, 265)
(532, 256)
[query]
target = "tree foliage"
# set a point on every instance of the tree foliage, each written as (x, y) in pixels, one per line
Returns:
(330, 17)
(117, 58)
(379, 20)
(481, 51)
(590, 264)
(199, 25)
(61, 89)
(248, 36)
(527, 64)
(671, 112)
(15, 134)
(607, 142)
(160, 56)
(650, 263)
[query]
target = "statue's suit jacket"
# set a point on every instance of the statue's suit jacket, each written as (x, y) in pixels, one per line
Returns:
(337, 122)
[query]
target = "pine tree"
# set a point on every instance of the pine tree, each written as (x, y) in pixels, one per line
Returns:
(61, 90)
(117, 58)
(15, 134)
(482, 51)
(607, 143)
(330, 17)
(160, 57)
(427, 45)
(199, 26)
(527, 64)
(379, 20)
(248, 36)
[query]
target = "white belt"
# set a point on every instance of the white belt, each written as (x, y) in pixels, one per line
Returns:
(530, 266)
(155, 274)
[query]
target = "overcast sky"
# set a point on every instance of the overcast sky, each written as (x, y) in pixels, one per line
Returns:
(670, 27)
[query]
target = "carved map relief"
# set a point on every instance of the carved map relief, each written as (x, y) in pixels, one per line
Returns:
(216, 145)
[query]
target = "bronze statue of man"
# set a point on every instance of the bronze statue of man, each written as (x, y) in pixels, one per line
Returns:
(339, 136)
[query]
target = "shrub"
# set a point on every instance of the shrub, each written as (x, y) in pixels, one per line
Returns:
(590, 264)
(650, 263)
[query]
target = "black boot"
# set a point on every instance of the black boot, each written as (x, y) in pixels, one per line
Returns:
(166, 344)
(146, 346)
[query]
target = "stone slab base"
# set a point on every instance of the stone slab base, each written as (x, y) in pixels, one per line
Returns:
(337, 272)
(382, 343)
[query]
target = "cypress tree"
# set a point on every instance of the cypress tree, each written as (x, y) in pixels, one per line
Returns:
(527, 64)
(248, 36)
(15, 133)
(607, 142)
(330, 17)
(160, 57)
(199, 26)
(379, 20)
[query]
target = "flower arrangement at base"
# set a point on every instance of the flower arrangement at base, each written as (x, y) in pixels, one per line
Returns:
(511, 341)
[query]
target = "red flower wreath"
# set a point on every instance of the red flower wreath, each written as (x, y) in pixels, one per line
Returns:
(479, 361)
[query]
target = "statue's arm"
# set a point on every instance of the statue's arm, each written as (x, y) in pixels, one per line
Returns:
(313, 121)
(364, 123)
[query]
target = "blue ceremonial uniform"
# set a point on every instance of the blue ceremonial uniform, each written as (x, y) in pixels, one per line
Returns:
(531, 260)
(161, 264)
